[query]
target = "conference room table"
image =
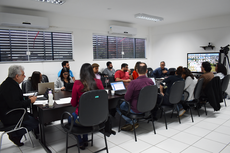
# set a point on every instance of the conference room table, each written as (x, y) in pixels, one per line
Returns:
(49, 114)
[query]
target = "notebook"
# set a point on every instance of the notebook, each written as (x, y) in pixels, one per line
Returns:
(42, 87)
(118, 87)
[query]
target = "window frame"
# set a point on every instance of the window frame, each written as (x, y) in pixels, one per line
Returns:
(123, 36)
(71, 40)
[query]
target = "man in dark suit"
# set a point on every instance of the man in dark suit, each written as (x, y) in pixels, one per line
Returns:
(11, 97)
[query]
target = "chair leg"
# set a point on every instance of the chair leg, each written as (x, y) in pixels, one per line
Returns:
(173, 111)
(119, 126)
(134, 131)
(78, 146)
(1, 140)
(178, 116)
(106, 143)
(165, 120)
(153, 124)
(92, 139)
(191, 113)
(32, 144)
(66, 147)
(205, 109)
(225, 102)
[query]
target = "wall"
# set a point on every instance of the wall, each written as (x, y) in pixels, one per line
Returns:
(82, 30)
(171, 43)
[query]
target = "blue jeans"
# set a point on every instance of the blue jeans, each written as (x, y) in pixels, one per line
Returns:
(124, 106)
(84, 137)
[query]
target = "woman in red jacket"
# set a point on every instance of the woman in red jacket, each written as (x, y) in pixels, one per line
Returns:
(87, 82)
(135, 74)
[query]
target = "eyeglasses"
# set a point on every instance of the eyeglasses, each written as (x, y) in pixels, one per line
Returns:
(66, 74)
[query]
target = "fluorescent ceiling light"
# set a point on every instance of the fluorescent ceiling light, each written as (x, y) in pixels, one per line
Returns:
(148, 17)
(60, 2)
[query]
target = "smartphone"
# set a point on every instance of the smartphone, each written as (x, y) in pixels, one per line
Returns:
(35, 94)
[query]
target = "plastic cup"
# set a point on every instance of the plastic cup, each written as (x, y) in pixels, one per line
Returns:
(112, 92)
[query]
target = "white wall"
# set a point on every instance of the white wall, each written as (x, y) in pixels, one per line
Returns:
(82, 29)
(171, 43)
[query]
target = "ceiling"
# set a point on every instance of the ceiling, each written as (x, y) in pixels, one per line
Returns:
(123, 10)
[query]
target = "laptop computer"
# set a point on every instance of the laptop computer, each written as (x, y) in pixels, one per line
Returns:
(118, 87)
(154, 81)
(42, 87)
(69, 87)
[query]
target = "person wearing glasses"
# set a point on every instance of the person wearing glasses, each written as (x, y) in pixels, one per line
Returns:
(161, 71)
(64, 79)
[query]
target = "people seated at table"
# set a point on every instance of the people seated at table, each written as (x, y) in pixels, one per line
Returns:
(66, 64)
(11, 97)
(86, 83)
(124, 74)
(109, 71)
(132, 95)
(95, 70)
(167, 83)
(32, 82)
(221, 70)
(64, 79)
(160, 72)
(190, 83)
(135, 74)
(207, 74)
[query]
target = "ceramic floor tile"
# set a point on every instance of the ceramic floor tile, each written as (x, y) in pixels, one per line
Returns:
(226, 150)
(194, 150)
(186, 138)
(172, 146)
(206, 125)
(219, 137)
(223, 129)
(117, 149)
(135, 147)
(152, 139)
(54, 136)
(197, 131)
(10, 148)
(155, 150)
(120, 138)
(216, 120)
(99, 144)
(227, 123)
(167, 133)
(209, 145)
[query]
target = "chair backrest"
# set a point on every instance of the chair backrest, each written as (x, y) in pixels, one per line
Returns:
(176, 92)
(24, 86)
(44, 78)
(198, 88)
(172, 71)
(93, 107)
(225, 82)
(147, 98)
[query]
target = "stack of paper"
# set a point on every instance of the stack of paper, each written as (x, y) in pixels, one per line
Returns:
(63, 101)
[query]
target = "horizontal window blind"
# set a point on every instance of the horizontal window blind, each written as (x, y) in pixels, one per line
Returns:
(105, 47)
(19, 45)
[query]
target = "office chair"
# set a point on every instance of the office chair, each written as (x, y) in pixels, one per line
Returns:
(93, 113)
(45, 78)
(224, 85)
(12, 128)
(175, 95)
(146, 102)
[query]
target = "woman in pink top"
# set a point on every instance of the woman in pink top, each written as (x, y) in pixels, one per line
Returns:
(86, 83)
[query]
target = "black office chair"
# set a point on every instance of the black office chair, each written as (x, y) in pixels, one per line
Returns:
(175, 95)
(224, 85)
(93, 113)
(16, 127)
(45, 78)
(196, 101)
(146, 102)
(132, 71)
(24, 86)
(171, 71)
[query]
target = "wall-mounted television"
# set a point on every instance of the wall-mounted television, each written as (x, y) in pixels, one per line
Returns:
(194, 60)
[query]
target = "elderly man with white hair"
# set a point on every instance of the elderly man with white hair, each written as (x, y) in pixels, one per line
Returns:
(11, 97)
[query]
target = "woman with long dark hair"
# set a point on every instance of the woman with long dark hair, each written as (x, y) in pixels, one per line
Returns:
(63, 79)
(87, 82)
(221, 70)
(135, 74)
(190, 82)
(32, 82)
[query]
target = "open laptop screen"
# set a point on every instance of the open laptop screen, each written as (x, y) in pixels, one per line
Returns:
(116, 86)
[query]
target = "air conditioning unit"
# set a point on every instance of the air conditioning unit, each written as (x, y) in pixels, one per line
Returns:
(122, 30)
(23, 21)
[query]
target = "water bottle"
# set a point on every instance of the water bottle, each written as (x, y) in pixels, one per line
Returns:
(51, 101)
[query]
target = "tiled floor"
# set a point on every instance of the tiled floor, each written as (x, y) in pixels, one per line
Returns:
(207, 134)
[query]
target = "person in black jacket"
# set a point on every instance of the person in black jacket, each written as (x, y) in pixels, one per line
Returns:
(11, 97)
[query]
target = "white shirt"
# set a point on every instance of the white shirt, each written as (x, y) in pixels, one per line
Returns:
(190, 85)
(221, 75)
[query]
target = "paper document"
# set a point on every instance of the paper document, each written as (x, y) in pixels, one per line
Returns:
(29, 94)
(63, 101)
(40, 102)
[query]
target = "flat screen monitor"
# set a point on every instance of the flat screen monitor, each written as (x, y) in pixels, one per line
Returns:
(194, 60)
